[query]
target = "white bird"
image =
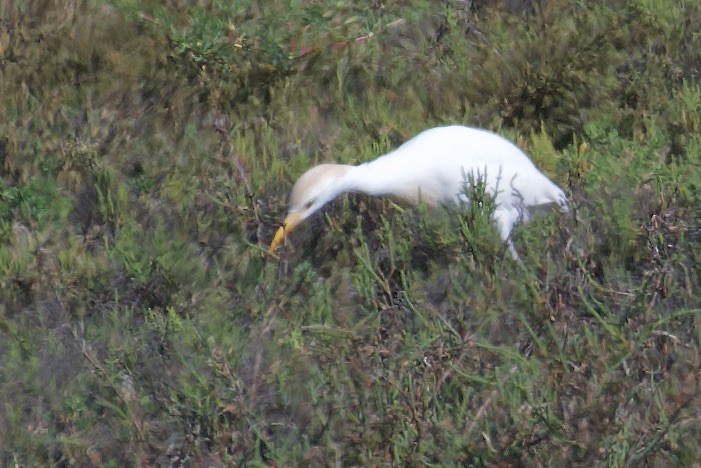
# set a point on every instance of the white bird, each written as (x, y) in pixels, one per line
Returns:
(434, 168)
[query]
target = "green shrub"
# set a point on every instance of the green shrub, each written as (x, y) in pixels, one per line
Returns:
(146, 153)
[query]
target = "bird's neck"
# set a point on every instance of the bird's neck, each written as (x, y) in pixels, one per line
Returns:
(365, 178)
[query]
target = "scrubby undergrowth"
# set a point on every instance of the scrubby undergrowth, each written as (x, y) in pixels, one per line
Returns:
(146, 150)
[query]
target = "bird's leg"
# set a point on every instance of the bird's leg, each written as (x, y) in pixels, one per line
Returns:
(505, 219)
(512, 249)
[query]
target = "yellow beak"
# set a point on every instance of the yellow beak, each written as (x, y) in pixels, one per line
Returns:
(289, 224)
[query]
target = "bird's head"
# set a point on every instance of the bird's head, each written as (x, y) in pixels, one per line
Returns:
(316, 187)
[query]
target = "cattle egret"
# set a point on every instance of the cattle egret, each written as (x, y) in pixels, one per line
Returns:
(433, 168)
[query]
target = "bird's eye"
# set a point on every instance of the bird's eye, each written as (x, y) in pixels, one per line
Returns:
(308, 204)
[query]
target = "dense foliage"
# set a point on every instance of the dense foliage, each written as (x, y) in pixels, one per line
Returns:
(146, 150)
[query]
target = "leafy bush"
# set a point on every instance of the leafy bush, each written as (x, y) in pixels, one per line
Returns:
(146, 151)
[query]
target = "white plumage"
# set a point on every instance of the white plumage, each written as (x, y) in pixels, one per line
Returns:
(433, 168)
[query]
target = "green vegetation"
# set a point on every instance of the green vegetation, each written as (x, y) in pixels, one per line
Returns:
(146, 152)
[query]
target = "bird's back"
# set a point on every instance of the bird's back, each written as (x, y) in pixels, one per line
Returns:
(462, 145)
(440, 160)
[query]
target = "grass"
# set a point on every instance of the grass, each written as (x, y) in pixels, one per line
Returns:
(146, 152)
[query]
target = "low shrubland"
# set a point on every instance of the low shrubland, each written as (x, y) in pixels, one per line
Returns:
(146, 152)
